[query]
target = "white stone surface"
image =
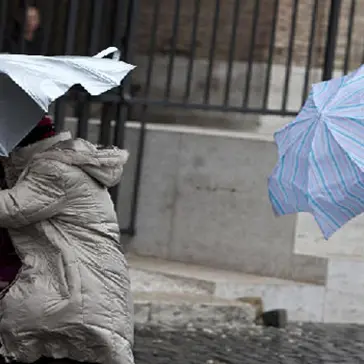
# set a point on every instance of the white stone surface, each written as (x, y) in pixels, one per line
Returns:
(203, 199)
(343, 307)
(348, 241)
(344, 297)
(193, 311)
(346, 276)
(144, 281)
(302, 302)
(340, 301)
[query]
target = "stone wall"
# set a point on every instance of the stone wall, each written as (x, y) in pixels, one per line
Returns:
(244, 29)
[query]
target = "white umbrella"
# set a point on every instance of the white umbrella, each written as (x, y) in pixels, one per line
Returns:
(29, 84)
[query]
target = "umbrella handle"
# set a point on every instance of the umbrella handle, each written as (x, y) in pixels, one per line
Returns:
(108, 51)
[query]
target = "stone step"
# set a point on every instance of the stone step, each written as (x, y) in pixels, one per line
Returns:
(303, 302)
(194, 311)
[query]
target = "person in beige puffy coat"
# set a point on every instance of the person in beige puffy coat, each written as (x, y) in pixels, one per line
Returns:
(71, 298)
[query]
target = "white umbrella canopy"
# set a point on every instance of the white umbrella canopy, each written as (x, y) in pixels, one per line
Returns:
(29, 84)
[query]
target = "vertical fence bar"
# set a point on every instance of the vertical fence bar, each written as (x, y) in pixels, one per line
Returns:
(349, 38)
(215, 26)
(96, 25)
(290, 53)
(3, 17)
(83, 111)
(107, 115)
(251, 53)
(362, 57)
(192, 55)
(109, 111)
(22, 25)
(138, 175)
(311, 43)
(48, 22)
(71, 26)
(232, 51)
(122, 111)
(173, 49)
(84, 104)
(332, 32)
(122, 114)
(131, 229)
(73, 6)
(271, 54)
(140, 155)
(153, 41)
(119, 22)
(59, 115)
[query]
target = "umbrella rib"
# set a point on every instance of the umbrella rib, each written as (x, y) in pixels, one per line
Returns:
(292, 179)
(342, 179)
(352, 139)
(349, 213)
(327, 190)
(332, 97)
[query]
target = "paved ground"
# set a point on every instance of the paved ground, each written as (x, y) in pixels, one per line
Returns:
(298, 344)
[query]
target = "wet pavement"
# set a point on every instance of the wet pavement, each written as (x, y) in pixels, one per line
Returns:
(297, 344)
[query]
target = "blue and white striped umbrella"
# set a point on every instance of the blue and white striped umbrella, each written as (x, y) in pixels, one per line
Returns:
(321, 155)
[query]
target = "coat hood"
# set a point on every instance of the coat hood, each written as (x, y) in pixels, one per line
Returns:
(104, 164)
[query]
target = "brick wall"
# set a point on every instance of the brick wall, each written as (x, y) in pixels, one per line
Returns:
(244, 30)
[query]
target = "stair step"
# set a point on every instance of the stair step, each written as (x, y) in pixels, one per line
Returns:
(198, 273)
(176, 298)
(147, 280)
(197, 311)
(303, 302)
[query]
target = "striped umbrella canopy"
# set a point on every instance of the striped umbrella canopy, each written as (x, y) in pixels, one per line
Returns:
(321, 155)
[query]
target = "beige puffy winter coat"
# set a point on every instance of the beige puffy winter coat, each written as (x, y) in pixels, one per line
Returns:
(71, 298)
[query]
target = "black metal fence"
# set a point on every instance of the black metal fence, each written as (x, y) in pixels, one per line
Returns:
(326, 12)
(148, 31)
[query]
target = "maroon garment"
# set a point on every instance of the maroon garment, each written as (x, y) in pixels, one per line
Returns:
(43, 130)
(9, 261)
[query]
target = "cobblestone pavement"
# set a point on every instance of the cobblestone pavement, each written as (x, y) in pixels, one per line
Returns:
(297, 344)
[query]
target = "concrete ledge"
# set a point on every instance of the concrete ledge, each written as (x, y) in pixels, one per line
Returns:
(203, 200)
(161, 309)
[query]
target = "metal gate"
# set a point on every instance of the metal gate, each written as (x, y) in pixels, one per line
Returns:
(171, 29)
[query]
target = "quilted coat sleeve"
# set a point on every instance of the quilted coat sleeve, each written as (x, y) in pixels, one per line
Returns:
(38, 196)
